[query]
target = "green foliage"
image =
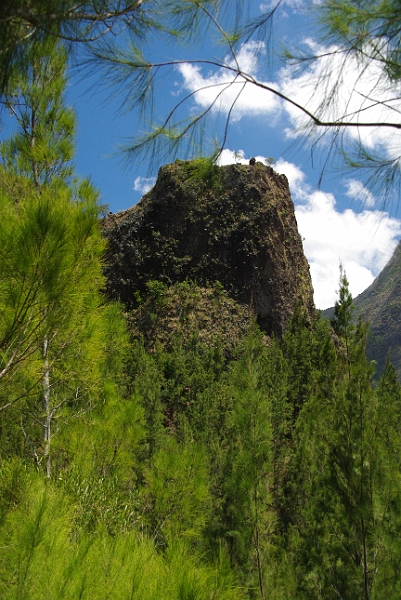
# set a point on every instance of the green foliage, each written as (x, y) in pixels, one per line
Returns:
(26, 25)
(299, 350)
(104, 466)
(199, 471)
(49, 250)
(146, 380)
(40, 559)
(42, 146)
(157, 291)
(177, 491)
(345, 484)
(31, 535)
(342, 321)
(371, 27)
(248, 476)
(13, 485)
(205, 172)
(189, 465)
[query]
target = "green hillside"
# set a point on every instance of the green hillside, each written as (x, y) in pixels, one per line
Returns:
(380, 306)
(209, 462)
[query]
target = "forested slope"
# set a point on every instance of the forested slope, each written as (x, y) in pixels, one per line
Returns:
(380, 306)
(272, 472)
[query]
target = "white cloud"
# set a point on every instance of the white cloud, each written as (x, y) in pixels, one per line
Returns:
(144, 184)
(362, 94)
(294, 5)
(357, 191)
(296, 178)
(362, 241)
(221, 87)
(229, 157)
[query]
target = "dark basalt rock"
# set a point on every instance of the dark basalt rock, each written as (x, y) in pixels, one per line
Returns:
(232, 224)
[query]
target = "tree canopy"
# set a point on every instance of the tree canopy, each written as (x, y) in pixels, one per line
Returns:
(24, 24)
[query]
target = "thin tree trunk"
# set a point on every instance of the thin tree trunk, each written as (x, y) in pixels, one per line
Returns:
(46, 423)
(32, 139)
(258, 561)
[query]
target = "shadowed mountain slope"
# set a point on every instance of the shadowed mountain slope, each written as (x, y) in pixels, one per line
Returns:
(380, 305)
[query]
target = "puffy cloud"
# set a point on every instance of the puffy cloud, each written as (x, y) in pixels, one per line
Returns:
(357, 191)
(222, 88)
(144, 184)
(296, 178)
(333, 87)
(362, 241)
(338, 87)
(229, 157)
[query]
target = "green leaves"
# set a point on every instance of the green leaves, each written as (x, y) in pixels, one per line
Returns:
(178, 491)
(42, 146)
(40, 558)
(343, 475)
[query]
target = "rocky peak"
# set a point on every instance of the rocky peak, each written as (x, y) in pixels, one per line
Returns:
(233, 224)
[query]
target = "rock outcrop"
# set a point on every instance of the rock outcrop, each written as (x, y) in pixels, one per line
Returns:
(232, 224)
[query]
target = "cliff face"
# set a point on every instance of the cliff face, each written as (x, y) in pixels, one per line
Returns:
(232, 224)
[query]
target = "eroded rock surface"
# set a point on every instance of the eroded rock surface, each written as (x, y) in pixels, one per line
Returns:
(233, 224)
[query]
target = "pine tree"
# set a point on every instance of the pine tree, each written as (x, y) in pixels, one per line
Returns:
(249, 517)
(51, 249)
(345, 482)
(388, 427)
(342, 321)
(42, 145)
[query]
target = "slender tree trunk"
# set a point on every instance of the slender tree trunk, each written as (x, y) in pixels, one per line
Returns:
(33, 134)
(46, 422)
(365, 563)
(258, 559)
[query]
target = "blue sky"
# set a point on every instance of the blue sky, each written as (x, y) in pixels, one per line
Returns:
(339, 221)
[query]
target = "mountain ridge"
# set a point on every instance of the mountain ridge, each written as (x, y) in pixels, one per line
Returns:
(380, 306)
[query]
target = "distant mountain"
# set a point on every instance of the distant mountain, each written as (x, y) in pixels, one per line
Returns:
(380, 305)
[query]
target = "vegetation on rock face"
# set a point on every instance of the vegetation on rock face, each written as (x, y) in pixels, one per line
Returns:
(187, 312)
(233, 224)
